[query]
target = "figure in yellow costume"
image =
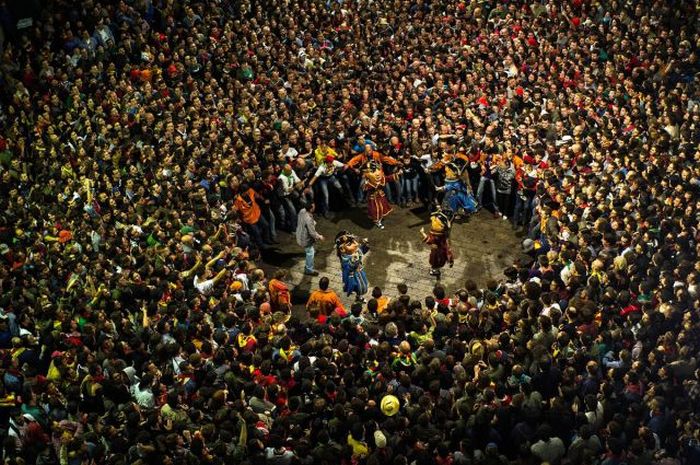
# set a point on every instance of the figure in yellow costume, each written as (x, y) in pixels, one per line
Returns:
(374, 182)
(438, 240)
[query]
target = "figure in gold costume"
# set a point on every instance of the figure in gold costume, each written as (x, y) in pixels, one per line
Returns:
(438, 240)
(374, 182)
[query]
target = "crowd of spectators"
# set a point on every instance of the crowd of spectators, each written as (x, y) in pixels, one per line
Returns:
(150, 148)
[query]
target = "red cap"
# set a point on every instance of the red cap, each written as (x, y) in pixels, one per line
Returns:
(329, 158)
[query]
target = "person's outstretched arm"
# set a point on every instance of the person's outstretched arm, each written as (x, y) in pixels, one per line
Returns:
(188, 273)
(219, 276)
(213, 261)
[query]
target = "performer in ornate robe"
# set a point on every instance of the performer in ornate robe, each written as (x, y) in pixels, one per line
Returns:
(458, 196)
(351, 252)
(375, 180)
(438, 240)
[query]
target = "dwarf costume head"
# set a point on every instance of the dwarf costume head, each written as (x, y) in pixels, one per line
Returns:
(373, 172)
(441, 220)
(346, 243)
(453, 170)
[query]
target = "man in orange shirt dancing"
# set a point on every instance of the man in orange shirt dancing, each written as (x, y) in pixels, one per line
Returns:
(357, 162)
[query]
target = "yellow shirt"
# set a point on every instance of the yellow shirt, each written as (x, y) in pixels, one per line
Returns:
(320, 154)
(359, 449)
(382, 304)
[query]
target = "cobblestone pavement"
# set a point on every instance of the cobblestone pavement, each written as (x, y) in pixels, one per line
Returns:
(483, 247)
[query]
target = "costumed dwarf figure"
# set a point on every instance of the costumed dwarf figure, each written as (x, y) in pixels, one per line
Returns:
(458, 196)
(375, 180)
(351, 252)
(438, 240)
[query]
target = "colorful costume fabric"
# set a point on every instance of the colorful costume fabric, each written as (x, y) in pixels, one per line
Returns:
(377, 205)
(437, 239)
(441, 254)
(457, 194)
(351, 252)
(354, 275)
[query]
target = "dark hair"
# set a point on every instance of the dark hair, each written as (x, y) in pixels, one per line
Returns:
(323, 283)
(439, 292)
(372, 305)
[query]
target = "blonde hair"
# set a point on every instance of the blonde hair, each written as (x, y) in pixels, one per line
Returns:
(257, 274)
(619, 263)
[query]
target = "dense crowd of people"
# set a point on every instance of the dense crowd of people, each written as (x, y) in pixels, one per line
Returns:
(151, 148)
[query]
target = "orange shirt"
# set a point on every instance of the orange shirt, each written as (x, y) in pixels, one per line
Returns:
(280, 299)
(327, 301)
(362, 158)
(247, 207)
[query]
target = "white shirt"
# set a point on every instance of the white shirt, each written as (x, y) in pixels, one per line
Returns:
(427, 160)
(243, 278)
(288, 182)
(144, 398)
(290, 153)
(547, 311)
(565, 274)
(204, 287)
(595, 419)
(325, 170)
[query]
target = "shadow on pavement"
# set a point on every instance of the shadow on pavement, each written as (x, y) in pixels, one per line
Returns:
(275, 258)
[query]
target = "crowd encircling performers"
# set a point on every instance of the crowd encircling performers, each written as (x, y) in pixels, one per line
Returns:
(156, 156)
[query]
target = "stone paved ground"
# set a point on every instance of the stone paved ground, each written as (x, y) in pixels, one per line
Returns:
(483, 247)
